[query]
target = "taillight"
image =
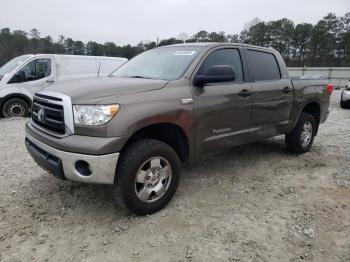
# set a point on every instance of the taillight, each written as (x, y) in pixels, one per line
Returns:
(329, 89)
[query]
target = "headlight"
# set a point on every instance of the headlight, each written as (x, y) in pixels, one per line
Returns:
(94, 115)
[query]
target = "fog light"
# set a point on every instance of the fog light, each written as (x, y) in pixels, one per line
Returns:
(83, 168)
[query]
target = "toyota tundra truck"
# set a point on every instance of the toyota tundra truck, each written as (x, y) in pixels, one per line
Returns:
(167, 106)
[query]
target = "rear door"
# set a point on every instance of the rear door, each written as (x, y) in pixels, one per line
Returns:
(222, 110)
(272, 95)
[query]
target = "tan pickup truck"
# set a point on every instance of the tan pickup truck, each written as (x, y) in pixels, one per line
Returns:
(168, 106)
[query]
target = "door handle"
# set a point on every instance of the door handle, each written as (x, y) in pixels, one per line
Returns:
(245, 93)
(286, 90)
(50, 81)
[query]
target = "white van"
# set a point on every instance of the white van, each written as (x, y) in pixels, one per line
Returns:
(25, 75)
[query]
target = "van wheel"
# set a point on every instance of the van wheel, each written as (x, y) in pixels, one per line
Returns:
(15, 107)
(147, 176)
(300, 140)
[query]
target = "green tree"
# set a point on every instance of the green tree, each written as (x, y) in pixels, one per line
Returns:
(201, 36)
(20, 40)
(300, 41)
(78, 48)
(69, 46)
(95, 49)
(280, 34)
(344, 40)
(111, 49)
(258, 34)
(217, 37)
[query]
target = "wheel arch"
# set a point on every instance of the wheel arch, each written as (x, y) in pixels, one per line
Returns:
(312, 107)
(6, 98)
(167, 132)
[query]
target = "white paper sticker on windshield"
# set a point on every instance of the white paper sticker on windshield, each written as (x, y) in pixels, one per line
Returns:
(184, 52)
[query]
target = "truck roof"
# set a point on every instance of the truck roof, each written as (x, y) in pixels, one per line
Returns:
(212, 44)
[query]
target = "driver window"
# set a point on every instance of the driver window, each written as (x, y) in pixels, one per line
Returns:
(35, 70)
(227, 56)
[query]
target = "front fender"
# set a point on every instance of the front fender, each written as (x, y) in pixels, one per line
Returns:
(144, 109)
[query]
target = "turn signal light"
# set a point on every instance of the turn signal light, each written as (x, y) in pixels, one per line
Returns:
(329, 89)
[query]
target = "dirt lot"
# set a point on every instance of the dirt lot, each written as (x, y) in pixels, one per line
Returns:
(252, 203)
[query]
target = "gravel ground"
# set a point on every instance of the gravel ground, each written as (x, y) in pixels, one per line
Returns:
(251, 203)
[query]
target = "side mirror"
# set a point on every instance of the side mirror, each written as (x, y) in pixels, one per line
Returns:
(216, 74)
(19, 77)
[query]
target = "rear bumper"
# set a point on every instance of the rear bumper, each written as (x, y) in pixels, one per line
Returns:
(325, 117)
(96, 169)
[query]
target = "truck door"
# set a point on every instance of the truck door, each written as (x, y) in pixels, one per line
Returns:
(272, 96)
(223, 109)
(35, 76)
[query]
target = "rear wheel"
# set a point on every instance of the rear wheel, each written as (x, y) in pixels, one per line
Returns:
(15, 107)
(300, 140)
(147, 176)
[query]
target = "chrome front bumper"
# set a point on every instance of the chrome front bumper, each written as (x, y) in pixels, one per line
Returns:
(95, 169)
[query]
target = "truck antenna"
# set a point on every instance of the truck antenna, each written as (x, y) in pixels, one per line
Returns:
(99, 67)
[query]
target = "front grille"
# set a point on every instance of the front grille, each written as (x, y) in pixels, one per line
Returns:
(48, 114)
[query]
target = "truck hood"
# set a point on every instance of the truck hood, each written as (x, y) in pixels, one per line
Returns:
(92, 90)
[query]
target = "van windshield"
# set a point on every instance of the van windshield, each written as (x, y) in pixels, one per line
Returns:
(12, 64)
(166, 63)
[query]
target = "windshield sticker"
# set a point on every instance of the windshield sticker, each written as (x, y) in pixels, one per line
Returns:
(184, 52)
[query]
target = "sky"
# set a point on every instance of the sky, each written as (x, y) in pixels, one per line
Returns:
(132, 21)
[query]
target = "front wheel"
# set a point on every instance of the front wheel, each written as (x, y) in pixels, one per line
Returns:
(147, 176)
(15, 107)
(300, 140)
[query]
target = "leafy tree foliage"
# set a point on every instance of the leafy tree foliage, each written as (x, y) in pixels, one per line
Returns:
(324, 44)
(327, 43)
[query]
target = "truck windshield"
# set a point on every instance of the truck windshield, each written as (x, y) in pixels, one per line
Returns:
(166, 63)
(12, 64)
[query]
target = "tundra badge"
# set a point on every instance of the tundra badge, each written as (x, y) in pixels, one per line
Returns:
(186, 101)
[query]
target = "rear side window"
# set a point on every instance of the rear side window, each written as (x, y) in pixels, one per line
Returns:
(227, 56)
(264, 66)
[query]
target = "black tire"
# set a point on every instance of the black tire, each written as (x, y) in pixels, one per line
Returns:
(130, 163)
(15, 107)
(294, 141)
(343, 105)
